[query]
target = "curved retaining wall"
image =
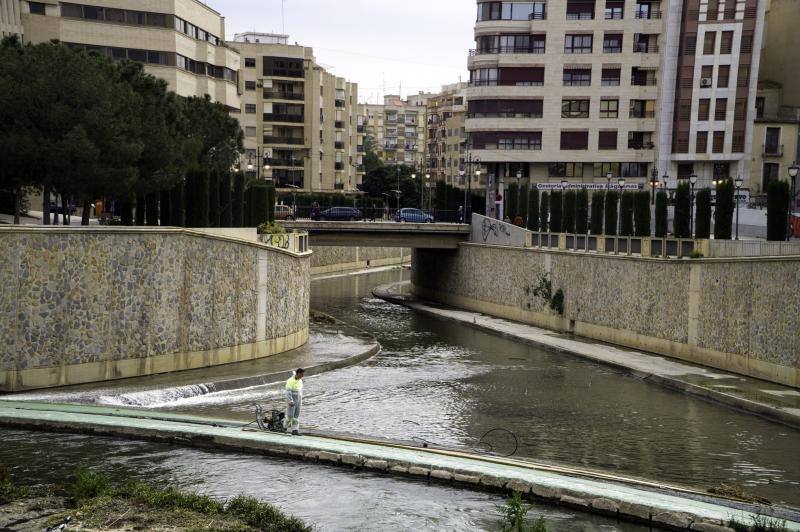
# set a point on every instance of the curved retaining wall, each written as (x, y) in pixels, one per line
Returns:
(92, 304)
(740, 315)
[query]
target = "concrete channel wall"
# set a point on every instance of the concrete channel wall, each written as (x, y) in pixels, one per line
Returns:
(333, 259)
(90, 304)
(736, 314)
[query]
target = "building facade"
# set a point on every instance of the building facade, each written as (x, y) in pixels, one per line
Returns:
(10, 18)
(300, 121)
(398, 128)
(584, 90)
(446, 137)
(180, 41)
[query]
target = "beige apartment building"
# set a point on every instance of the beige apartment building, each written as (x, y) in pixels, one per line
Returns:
(398, 128)
(300, 121)
(180, 41)
(446, 137)
(584, 90)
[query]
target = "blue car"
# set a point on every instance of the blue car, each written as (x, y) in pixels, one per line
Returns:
(413, 216)
(341, 214)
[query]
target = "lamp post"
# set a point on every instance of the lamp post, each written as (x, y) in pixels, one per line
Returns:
(793, 171)
(261, 159)
(653, 185)
(692, 182)
(621, 183)
(738, 184)
(608, 178)
(294, 198)
(519, 192)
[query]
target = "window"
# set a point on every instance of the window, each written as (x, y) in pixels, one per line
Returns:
(137, 55)
(614, 9)
(158, 19)
(250, 62)
(115, 15)
(759, 106)
(640, 140)
(603, 169)
(633, 169)
(609, 108)
(744, 76)
(612, 43)
(719, 142)
(505, 108)
(250, 108)
(720, 109)
(575, 109)
(723, 75)
(517, 140)
(685, 109)
(577, 77)
(580, 9)
(722, 170)
(685, 170)
(713, 10)
(740, 109)
(483, 76)
(607, 140)
(690, 44)
(532, 76)
(511, 11)
(249, 85)
(772, 141)
(706, 71)
(702, 142)
(577, 44)
(134, 17)
(574, 140)
(610, 77)
(770, 174)
(709, 42)
(565, 169)
(726, 43)
(36, 8)
(703, 109)
(71, 10)
(642, 109)
(643, 76)
(249, 131)
(746, 46)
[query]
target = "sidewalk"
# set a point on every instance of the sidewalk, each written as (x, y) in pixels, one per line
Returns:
(771, 401)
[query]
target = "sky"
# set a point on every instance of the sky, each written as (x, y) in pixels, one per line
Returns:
(418, 45)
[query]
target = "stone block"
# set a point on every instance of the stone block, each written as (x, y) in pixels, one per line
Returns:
(519, 485)
(632, 509)
(441, 474)
(545, 492)
(352, 459)
(328, 457)
(380, 465)
(569, 500)
(707, 526)
(466, 479)
(673, 519)
(605, 505)
(493, 482)
(399, 469)
(418, 471)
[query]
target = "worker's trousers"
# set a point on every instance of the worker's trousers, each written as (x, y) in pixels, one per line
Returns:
(292, 421)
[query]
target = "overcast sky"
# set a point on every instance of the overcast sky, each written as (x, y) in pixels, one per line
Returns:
(421, 44)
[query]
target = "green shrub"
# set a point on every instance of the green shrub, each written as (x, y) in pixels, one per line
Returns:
(723, 214)
(778, 205)
(582, 211)
(126, 211)
(544, 213)
(661, 214)
(271, 196)
(9, 491)
(257, 202)
(263, 516)
(533, 209)
(88, 485)
(177, 202)
(514, 516)
(556, 211)
(271, 228)
(568, 225)
(641, 213)
(611, 212)
(140, 209)
(523, 201)
(683, 198)
(626, 214)
(237, 210)
(702, 216)
(512, 209)
(598, 202)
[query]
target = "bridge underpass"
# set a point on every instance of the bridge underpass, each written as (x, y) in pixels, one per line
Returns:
(382, 234)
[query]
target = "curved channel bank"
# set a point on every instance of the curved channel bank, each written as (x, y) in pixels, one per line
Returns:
(660, 506)
(695, 380)
(81, 305)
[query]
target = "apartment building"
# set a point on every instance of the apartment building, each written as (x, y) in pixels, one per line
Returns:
(180, 41)
(446, 137)
(398, 128)
(299, 120)
(580, 90)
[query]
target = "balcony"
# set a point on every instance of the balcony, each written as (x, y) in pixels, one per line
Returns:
(279, 95)
(294, 141)
(284, 73)
(645, 48)
(773, 150)
(360, 148)
(648, 14)
(280, 117)
(338, 124)
(642, 114)
(290, 163)
(338, 103)
(635, 144)
(339, 145)
(390, 146)
(338, 166)
(360, 129)
(507, 50)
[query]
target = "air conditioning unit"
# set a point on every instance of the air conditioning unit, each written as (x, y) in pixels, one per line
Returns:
(705, 82)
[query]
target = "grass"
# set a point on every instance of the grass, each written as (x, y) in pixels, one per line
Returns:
(514, 516)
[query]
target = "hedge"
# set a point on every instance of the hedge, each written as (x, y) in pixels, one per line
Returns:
(544, 213)
(533, 209)
(582, 212)
(683, 198)
(778, 204)
(556, 211)
(723, 214)
(611, 212)
(641, 213)
(702, 216)
(661, 214)
(626, 214)
(598, 201)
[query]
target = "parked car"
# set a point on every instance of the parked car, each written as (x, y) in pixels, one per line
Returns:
(413, 215)
(341, 213)
(284, 212)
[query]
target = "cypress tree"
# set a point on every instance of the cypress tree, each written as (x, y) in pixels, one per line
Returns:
(140, 209)
(511, 201)
(661, 213)
(226, 215)
(641, 213)
(702, 217)
(544, 213)
(611, 212)
(723, 214)
(151, 208)
(257, 204)
(598, 202)
(271, 196)
(523, 201)
(683, 198)
(165, 214)
(568, 225)
(778, 204)
(533, 209)
(126, 211)
(237, 210)
(213, 199)
(556, 211)
(626, 214)
(177, 205)
(582, 212)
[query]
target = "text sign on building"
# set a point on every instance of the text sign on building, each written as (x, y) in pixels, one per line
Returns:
(588, 186)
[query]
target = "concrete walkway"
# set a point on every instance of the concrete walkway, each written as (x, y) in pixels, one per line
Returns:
(771, 401)
(658, 505)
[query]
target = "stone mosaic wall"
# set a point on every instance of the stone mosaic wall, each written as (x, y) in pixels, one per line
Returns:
(326, 256)
(73, 296)
(741, 306)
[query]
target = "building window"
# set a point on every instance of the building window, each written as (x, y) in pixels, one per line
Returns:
(723, 75)
(722, 170)
(603, 169)
(610, 77)
(511, 11)
(643, 76)
(249, 131)
(718, 142)
(770, 173)
(609, 108)
(685, 170)
(580, 9)
(702, 142)
(633, 169)
(574, 140)
(614, 9)
(642, 109)
(740, 109)
(612, 43)
(709, 42)
(250, 108)
(772, 141)
(565, 169)
(720, 108)
(726, 43)
(577, 44)
(250, 62)
(690, 44)
(706, 73)
(744, 76)
(607, 140)
(577, 77)
(36, 8)
(575, 109)
(746, 45)
(640, 140)
(249, 85)
(759, 106)
(703, 109)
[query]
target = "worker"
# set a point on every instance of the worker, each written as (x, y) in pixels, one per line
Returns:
(294, 397)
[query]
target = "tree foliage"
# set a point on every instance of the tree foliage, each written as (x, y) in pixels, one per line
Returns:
(683, 199)
(723, 214)
(598, 202)
(641, 213)
(582, 212)
(778, 204)
(556, 211)
(626, 214)
(544, 213)
(661, 214)
(533, 209)
(611, 212)
(702, 217)
(568, 225)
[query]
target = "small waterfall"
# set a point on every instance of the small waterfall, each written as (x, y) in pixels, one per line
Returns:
(155, 398)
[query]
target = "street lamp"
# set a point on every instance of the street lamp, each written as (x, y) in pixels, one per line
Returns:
(738, 184)
(793, 171)
(653, 185)
(621, 183)
(692, 182)
(519, 192)
(608, 178)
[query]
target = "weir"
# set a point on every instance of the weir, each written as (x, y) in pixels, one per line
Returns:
(659, 505)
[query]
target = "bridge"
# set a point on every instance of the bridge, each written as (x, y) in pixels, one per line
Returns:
(383, 234)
